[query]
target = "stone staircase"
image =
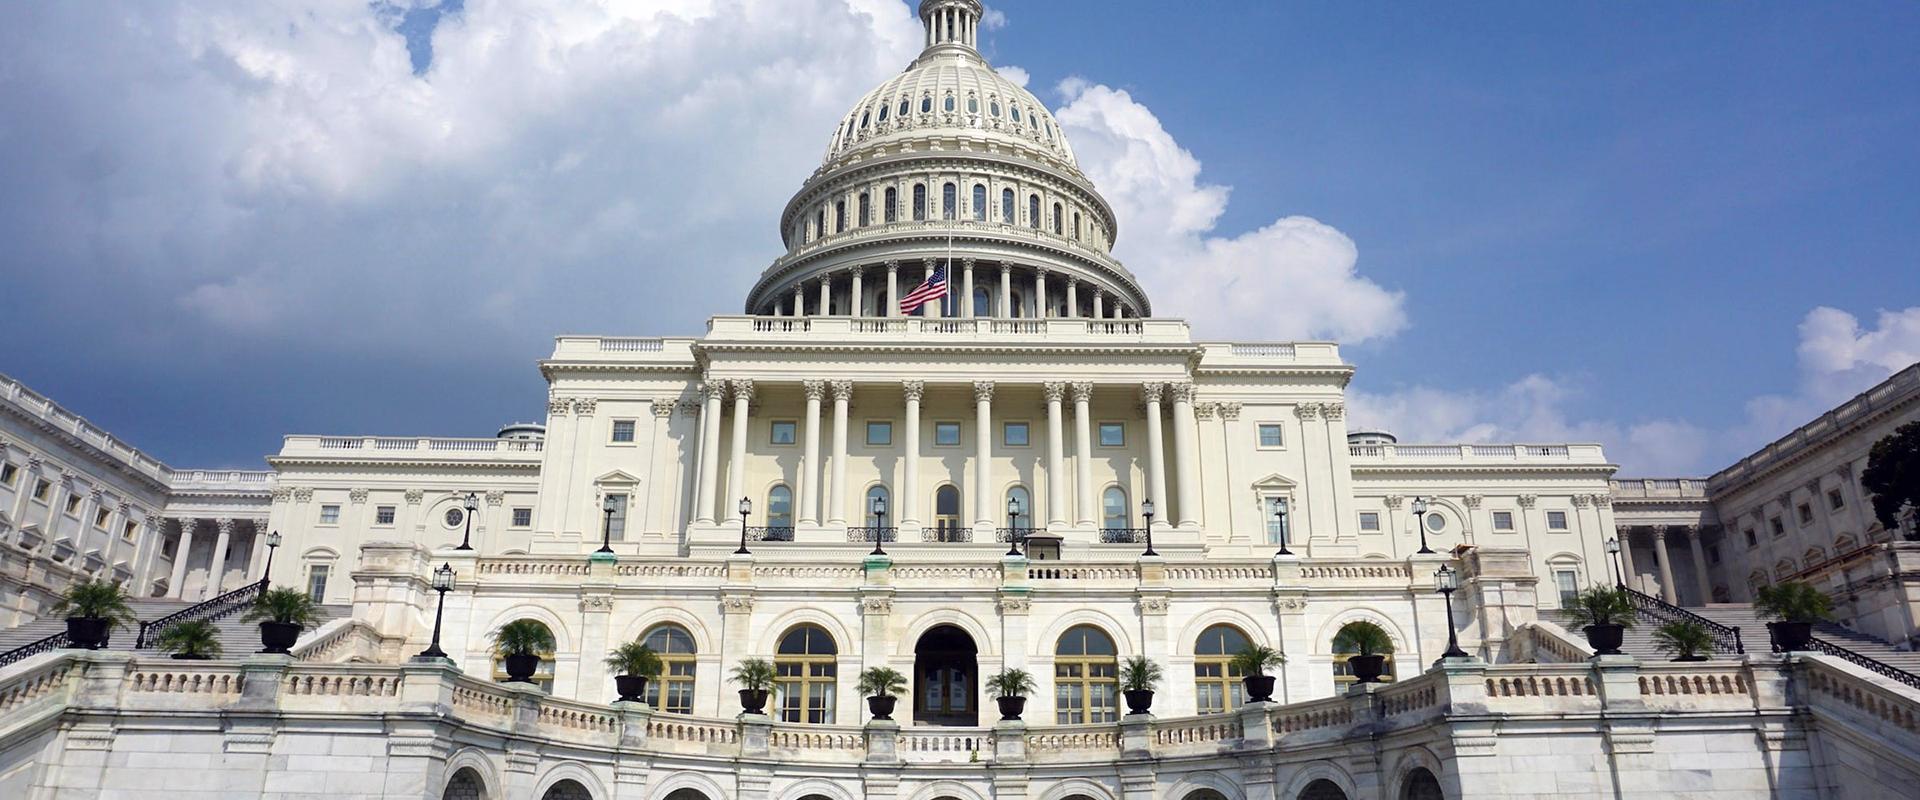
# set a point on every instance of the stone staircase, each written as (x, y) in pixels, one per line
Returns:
(236, 638)
(1753, 633)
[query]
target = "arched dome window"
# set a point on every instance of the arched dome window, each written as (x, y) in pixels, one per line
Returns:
(876, 493)
(973, 104)
(946, 514)
(904, 107)
(883, 112)
(1076, 226)
(1216, 683)
(780, 507)
(864, 118)
(1016, 112)
(1033, 212)
(982, 302)
(993, 106)
(1007, 210)
(949, 198)
(805, 667)
(979, 202)
(866, 210)
(1085, 671)
(892, 204)
(919, 202)
(948, 105)
(1056, 219)
(840, 216)
(672, 692)
(819, 223)
(926, 104)
(543, 675)
(1113, 509)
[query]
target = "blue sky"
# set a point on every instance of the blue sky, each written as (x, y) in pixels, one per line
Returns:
(1676, 228)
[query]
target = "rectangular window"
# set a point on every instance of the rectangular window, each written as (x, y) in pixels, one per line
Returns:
(126, 531)
(383, 515)
(1503, 520)
(1834, 500)
(42, 488)
(1014, 434)
(1270, 434)
(100, 518)
(617, 522)
(784, 432)
(329, 515)
(523, 518)
(73, 504)
(1779, 528)
(1752, 540)
(623, 431)
(1556, 520)
(317, 581)
(946, 434)
(1276, 520)
(1113, 434)
(1370, 520)
(1806, 514)
(879, 434)
(7, 473)
(1568, 584)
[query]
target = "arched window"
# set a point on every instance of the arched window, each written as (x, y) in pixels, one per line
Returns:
(903, 107)
(892, 203)
(567, 790)
(465, 785)
(919, 202)
(1421, 785)
(1025, 499)
(672, 692)
(883, 112)
(1016, 112)
(875, 493)
(1033, 212)
(1085, 672)
(1076, 226)
(1007, 210)
(542, 677)
(946, 514)
(973, 104)
(1216, 682)
(949, 199)
(1322, 789)
(926, 104)
(1343, 674)
(1113, 509)
(947, 105)
(1056, 219)
(840, 216)
(820, 223)
(982, 302)
(805, 669)
(866, 210)
(864, 118)
(780, 507)
(993, 106)
(687, 794)
(1278, 520)
(979, 202)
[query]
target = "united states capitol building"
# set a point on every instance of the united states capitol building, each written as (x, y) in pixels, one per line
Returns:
(1030, 470)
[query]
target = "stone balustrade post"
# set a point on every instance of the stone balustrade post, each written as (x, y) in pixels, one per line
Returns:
(883, 741)
(98, 679)
(1136, 736)
(426, 687)
(1617, 680)
(261, 677)
(756, 734)
(1256, 724)
(633, 763)
(1009, 742)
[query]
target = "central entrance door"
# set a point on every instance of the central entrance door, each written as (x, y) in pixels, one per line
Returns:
(946, 678)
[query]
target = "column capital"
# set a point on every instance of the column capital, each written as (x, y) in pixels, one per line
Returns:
(892, 266)
(1150, 392)
(913, 390)
(1528, 500)
(842, 390)
(259, 526)
(742, 389)
(1394, 501)
(1229, 411)
(1180, 391)
(1581, 500)
(815, 390)
(585, 406)
(225, 524)
(1073, 281)
(187, 524)
(1333, 411)
(1472, 500)
(1042, 270)
(1692, 532)
(983, 391)
(1602, 500)
(1082, 392)
(1307, 411)
(690, 408)
(1205, 410)
(1056, 391)
(661, 408)
(966, 263)
(559, 406)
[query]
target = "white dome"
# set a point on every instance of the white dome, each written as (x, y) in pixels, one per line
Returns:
(952, 91)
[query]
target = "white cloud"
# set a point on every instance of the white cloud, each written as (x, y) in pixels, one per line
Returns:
(993, 20)
(1017, 75)
(1837, 358)
(1229, 285)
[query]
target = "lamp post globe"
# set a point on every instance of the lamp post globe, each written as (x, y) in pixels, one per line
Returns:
(273, 543)
(746, 510)
(607, 505)
(442, 583)
(466, 538)
(1445, 581)
(1146, 510)
(1613, 550)
(1013, 526)
(880, 531)
(1420, 516)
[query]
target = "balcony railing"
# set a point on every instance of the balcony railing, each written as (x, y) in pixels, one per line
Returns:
(770, 533)
(947, 533)
(873, 534)
(1123, 535)
(1017, 534)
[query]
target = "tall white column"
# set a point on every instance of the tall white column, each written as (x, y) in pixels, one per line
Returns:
(217, 562)
(907, 505)
(1626, 557)
(1040, 293)
(1083, 452)
(1073, 296)
(1156, 450)
(1056, 455)
(1187, 489)
(1099, 303)
(810, 459)
(1667, 592)
(859, 301)
(1704, 581)
(983, 494)
(709, 449)
(826, 294)
(893, 289)
(737, 464)
(837, 490)
(966, 297)
(178, 579)
(1006, 291)
(800, 299)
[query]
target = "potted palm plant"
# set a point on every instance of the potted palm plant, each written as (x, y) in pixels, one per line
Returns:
(1603, 614)
(1685, 640)
(882, 686)
(282, 614)
(192, 640)
(755, 676)
(1370, 644)
(1252, 663)
(519, 644)
(93, 609)
(633, 664)
(1137, 678)
(1795, 607)
(1009, 689)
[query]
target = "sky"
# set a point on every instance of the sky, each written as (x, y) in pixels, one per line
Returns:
(1677, 229)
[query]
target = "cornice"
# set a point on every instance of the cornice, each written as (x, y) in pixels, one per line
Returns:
(1489, 469)
(323, 461)
(1181, 350)
(88, 449)
(1806, 451)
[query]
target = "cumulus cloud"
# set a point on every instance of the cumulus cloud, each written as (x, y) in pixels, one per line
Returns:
(1229, 285)
(1017, 75)
(1837, 359)
(993, 20)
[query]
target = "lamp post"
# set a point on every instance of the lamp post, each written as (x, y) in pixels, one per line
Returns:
(1013, 526)
(880, 531)
(1420, 514)
(1613, 549)
(1146, 510)
(746, 510)
(1280, 517)
(1446, 581)
(273, 543)
(442, 583)
(606, 527)
(466, 539)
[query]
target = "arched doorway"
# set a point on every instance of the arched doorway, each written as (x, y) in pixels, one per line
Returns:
(946, 677)
(1322, 789)
(1421, 785)
(687, 794)
(567, 790)
(465, 785)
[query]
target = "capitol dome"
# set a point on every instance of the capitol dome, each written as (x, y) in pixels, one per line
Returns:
(949, 169)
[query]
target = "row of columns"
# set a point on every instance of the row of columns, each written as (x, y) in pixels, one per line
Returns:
(1663, 561)
(1185, 503)
(1002, 303)
(223, 542)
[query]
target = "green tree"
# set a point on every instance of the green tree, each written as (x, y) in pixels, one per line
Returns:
(1893, 473)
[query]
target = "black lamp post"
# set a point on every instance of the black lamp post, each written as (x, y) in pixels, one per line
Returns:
(273, 543)
(1013, 526)
(466, 539)
(442, 583)
(1613, 549)
(1446, 581)
(879, 532)
(746, 510)
(1420, 514)
(1146, 510)
(606, 527)
(1280, 517)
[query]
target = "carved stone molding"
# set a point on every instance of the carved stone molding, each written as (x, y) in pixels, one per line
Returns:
(737, 604)
(1290, 604)
(876, 605)
(1153, 605)
(496, 497)
(1055, 391)
(1307, 411)
(662, 408)
(600, 603)
(983, 391)
(913, 390)
(1472, 500)
(1528, 500)
(1394, 501)
(356, 496)
(585, 406)
(1012, 604)
(414, 496)
(1082, 392)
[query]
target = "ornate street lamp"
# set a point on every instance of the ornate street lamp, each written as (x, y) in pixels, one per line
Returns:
(879, 532)
(1146, 510)
(466, 539)
(273, 543)
(1613, 549)
(1446, 581)
(1420, 513)
(1280, 517)
(746, 510)
(606, 527)
(442, 583)
(1013, 526)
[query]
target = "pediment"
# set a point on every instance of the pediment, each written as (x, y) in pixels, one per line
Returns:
(1274, 482)
(617, 476)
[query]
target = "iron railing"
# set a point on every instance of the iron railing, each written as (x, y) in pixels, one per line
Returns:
(57, 641)
(217, 608)
(949, 534)
(770, 533)
(1123, 535)
(872, 534)
(1868, 663)
(1020, 534)
(1726, 638)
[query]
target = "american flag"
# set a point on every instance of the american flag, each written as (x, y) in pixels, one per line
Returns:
(929, 290)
